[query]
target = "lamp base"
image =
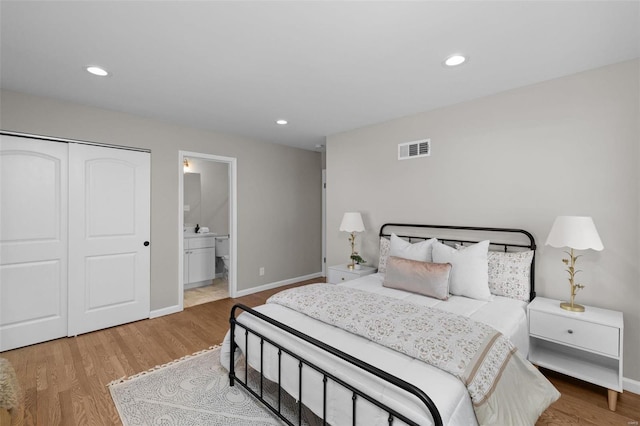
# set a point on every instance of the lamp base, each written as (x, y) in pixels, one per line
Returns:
(573, 308)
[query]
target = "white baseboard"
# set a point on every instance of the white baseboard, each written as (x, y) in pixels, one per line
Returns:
(176, 308)
(165, 311)
(631, 385)
(277, 284)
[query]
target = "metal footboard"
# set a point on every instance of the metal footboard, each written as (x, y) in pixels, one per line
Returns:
(326, 376)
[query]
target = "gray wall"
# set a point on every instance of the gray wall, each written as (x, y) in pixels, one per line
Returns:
(517, 159)
(279, 188)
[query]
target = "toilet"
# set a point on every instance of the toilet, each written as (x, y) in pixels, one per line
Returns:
(222, 253)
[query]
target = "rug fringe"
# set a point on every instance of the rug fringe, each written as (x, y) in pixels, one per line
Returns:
(158, 367)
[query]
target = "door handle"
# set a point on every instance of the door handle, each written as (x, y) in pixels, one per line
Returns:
(146, 243)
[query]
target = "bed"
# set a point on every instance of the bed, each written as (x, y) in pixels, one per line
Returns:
(350, 375)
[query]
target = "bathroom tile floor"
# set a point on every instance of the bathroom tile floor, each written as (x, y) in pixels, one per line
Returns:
(199, 295)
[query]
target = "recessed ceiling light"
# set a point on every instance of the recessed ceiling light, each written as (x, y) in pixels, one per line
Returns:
(281, 122)
(97, 71)
(454, 60)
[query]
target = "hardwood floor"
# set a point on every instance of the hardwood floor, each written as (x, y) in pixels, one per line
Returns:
(582, 403)
(64, 381)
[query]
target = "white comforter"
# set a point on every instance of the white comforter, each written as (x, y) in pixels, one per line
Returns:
(448, 393)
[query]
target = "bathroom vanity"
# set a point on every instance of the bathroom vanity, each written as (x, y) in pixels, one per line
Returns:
(199, 258)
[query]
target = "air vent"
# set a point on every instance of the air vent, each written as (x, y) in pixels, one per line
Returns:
(414, 149)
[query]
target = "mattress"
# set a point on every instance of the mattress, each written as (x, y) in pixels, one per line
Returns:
(447, 392)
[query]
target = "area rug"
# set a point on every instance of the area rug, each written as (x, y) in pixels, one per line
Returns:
(194, 390)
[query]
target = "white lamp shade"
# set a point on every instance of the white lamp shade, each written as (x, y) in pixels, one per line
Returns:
(576, 232)
(352, 222)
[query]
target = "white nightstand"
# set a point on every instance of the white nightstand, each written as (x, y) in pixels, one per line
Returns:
(585, 345)
(341, 273)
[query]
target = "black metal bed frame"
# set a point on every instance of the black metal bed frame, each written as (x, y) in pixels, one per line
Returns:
(356, 393)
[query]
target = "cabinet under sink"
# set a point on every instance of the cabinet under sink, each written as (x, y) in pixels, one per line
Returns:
(199, 260)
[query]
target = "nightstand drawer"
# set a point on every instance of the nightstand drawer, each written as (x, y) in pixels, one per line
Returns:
(341, 273)
(336, 277)
(591, 336)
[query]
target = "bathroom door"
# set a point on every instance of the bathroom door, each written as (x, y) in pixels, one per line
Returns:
(109, 229)
(33, 241)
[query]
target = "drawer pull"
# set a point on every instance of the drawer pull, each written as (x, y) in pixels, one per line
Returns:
(342, 278)
(570, 331)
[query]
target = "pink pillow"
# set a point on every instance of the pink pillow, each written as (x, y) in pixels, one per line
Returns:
(429, 279)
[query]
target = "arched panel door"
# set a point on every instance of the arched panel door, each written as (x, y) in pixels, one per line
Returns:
(33, 241)
(109, 230)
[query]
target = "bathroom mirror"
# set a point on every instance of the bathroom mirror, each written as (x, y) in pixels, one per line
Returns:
(192, 202)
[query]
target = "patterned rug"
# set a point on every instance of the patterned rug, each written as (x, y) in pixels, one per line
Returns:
(194, 390)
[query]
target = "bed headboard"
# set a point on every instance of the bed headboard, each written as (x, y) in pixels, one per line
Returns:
(506, 239)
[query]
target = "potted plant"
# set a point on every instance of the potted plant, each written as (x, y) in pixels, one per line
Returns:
(357, 260)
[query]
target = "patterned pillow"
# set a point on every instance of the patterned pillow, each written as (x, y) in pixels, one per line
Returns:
(509, 274)
(385, 247)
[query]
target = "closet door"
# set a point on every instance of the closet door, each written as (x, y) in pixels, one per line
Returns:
(33, 241)
(109, 253)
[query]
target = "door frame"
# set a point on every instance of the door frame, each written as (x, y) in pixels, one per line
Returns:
(324, 222)
(232, 162)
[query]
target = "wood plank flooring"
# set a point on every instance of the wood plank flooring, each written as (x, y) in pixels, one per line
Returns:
(64, 381)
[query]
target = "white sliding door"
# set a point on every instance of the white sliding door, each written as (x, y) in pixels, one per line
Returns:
(109, 195)
(33, 241)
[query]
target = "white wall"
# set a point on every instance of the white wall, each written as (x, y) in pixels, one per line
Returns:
(516, 159)
(279, 188)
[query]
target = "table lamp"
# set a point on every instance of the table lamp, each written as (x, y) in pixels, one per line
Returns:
(352, 222)
(577, 233)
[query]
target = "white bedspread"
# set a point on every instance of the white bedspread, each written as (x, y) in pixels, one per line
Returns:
(448, 393)
(508, 316)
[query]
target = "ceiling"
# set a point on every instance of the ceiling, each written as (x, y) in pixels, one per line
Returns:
(325, 66)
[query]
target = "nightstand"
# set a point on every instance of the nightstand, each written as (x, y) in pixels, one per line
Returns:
(585, 345)
(341, 273)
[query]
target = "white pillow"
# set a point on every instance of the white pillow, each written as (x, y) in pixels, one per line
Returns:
(469, 274)
(421, 251)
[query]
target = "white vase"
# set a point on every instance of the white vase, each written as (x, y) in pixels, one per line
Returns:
(358, 266)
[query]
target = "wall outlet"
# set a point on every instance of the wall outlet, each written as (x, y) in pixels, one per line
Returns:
(261, 271)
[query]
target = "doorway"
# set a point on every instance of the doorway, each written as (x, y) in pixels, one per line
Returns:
(207, 218)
